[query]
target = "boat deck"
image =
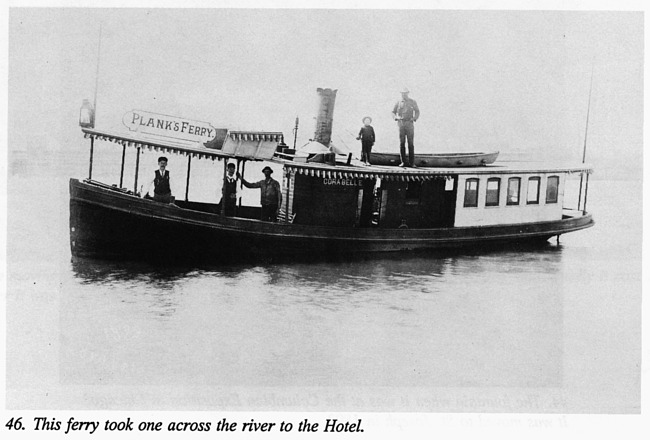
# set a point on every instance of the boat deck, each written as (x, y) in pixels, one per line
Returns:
(108, 222)
(359, 170)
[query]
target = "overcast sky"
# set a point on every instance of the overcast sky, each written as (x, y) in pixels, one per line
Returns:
(514, 81)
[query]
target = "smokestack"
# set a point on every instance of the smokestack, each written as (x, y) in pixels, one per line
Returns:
(325, 116)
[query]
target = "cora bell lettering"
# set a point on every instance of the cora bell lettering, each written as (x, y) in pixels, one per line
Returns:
(342, 182)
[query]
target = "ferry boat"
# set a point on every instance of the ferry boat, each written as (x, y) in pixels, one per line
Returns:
(328, 207)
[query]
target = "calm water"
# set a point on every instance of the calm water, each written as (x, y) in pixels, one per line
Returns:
(556, 329)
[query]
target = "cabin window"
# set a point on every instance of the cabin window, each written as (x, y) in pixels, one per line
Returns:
(514, 185)
(492, 191)
(471, 193)
(552, 185)
(533, 191)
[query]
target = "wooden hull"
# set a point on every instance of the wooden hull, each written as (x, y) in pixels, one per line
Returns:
(451, 160)
(109, 224)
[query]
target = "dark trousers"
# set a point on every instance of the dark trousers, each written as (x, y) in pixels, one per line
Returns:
(366, 148)
(406, 132)
(231, 206)
(163, 198)
(269, 213)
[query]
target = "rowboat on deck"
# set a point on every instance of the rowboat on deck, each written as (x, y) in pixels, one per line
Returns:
(441, 160)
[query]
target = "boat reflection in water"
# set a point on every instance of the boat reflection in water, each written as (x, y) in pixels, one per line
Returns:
(480, 318)
(322, 282)
(164, 274)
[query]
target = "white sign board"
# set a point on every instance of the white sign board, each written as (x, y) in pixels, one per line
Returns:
(168, 126)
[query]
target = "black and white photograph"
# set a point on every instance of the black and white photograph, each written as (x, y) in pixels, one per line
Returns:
(341, 219)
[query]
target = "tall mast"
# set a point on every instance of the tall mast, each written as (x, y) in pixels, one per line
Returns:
(295, 133)
(93, 113)
(591, 83)
(584, 148)
(99, 48)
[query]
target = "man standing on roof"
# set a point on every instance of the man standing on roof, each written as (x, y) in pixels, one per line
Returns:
(271, 194)
(406, 112)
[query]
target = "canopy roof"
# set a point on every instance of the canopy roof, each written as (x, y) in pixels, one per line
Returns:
(422, 174)
(252, 145)
(235, 138)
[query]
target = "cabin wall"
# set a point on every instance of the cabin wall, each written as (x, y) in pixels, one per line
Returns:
(437, 203)
(326, 201)
(508, 214)
(394, 207)
(416, 204)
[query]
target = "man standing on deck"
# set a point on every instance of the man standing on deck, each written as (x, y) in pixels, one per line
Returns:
(406, 112)
(162, 191)
(229, 191)
(271, 194)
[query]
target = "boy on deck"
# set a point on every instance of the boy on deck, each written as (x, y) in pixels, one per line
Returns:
(367, 136)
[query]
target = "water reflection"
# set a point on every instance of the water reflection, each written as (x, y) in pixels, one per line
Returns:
(390, 283)
(97, 271)
(341, 271)
(487, 317)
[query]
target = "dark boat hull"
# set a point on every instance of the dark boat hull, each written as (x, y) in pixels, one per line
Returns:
(451, 160)
(106, 223)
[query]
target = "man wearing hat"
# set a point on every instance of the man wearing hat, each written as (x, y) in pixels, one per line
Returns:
(229, 191)
(367, 137)
(406, 112)
(271, 194)
(162, 191)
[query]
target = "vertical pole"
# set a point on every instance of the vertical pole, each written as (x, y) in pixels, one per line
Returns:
(137, 168)
(94, 112)
(295, 133)
(122, 169)
(239, 161)
(584, 149)
(99, 48)
(286, 197)
(580, 191)
(187, 183)
(241, 184)
(584, 206)
(90, 167)
(289, 201)
(223, 187)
